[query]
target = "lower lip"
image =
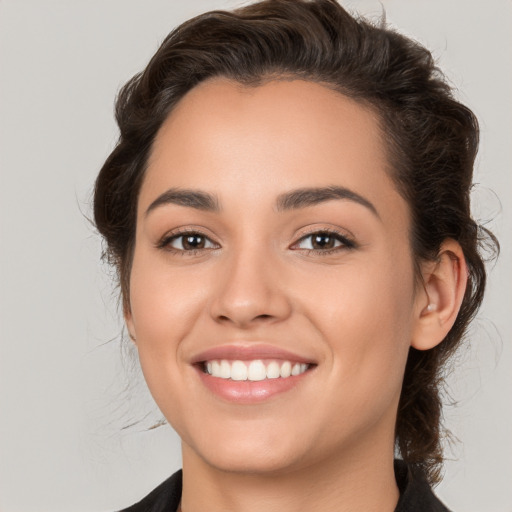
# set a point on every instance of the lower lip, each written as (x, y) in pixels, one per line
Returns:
(248, 392)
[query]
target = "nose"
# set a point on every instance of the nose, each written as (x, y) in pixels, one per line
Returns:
(250, 291)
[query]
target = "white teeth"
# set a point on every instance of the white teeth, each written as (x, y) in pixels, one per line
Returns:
(238, 371)
(225, 370)
(286, 369)
(255, 370)
(273, 370)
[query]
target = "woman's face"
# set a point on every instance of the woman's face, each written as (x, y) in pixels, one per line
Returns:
(269, 233)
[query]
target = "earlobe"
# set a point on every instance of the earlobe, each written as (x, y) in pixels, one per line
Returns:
(439, 301)
(128, 318)
(132, 337)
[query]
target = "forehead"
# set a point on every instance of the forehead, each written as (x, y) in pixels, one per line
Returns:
(259, 141)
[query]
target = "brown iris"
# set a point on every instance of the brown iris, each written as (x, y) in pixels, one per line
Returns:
(193, 241)
(323, 241)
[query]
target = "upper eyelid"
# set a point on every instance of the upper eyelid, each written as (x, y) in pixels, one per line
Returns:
(345, 239)
(179, 232)
(174, 233)
(326, 231)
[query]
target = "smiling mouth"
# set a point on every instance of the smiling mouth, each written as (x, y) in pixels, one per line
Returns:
(254, 370)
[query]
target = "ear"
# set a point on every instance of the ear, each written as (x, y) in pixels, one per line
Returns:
(437, 304)
(128, 318)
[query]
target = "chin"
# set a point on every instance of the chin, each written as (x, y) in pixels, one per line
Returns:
(251, 463)
(250, 454)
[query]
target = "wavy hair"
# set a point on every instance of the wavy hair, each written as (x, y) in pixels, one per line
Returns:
(431, 139)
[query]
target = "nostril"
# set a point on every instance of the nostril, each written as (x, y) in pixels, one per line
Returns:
(263, 317)
(225, 318)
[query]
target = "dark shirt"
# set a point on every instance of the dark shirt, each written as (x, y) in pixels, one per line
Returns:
(415, 494)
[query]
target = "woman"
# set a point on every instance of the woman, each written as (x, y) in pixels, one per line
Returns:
(288, 210)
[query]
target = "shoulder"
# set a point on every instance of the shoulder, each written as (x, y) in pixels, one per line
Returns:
(415, 492)
(164, 498)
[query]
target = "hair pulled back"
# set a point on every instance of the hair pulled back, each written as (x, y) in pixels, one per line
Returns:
(431, 140)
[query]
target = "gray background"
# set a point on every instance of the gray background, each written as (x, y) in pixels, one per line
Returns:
(65, 396)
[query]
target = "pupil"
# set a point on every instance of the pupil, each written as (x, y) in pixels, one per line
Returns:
(193, 242)
(323, 241)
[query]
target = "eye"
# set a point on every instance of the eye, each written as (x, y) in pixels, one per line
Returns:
(324, 241)
(187, 242)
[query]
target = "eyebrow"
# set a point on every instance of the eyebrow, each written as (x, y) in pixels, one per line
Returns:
(185, 197)
(304, 197)
(293, 200)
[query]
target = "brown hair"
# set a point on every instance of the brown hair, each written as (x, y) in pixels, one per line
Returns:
(432, 141)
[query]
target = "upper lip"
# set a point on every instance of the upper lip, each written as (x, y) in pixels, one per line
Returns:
(248, 353)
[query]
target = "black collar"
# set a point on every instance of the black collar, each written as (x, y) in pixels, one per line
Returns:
(415, 492)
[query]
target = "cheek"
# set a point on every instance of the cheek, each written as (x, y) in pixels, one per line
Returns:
(365, 314)
(373, 291)
(165, 305)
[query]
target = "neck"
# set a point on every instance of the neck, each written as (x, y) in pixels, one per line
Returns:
(356, 481)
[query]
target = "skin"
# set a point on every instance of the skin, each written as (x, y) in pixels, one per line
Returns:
(354, 310)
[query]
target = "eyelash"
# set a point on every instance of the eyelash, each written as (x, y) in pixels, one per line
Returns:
(346, 243)
(165, 242)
